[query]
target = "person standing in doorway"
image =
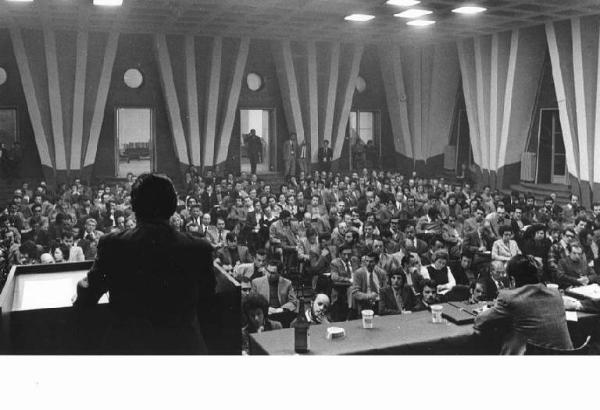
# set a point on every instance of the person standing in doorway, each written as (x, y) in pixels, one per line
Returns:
(325, 157)
(303, 158)
(254, 144)
(289, 155)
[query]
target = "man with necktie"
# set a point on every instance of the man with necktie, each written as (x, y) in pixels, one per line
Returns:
(366, 283)
(341, 278)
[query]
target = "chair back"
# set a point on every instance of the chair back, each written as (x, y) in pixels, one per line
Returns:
(539, 350)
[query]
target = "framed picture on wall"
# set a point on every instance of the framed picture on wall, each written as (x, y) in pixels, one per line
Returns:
(8, 126)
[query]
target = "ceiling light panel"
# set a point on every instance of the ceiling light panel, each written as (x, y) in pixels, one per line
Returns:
(359, 17)
(469, 10)
(413, 13)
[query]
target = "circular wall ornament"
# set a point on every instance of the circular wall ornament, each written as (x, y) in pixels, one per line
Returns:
(133, 78)
(361, 84)
(3, 76)
(254, 81)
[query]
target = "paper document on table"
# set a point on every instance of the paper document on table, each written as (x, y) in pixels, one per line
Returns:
(571, 316)
(590, 291)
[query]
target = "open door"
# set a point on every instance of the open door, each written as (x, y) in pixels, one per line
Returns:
(134, 141)
(260, 121)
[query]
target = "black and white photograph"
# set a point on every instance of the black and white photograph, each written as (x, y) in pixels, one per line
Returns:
(259, 185)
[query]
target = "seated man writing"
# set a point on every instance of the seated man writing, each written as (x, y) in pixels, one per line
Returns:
(279, 292)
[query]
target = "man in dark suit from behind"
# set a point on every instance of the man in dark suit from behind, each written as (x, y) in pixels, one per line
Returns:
(160, 281)
(529, 313)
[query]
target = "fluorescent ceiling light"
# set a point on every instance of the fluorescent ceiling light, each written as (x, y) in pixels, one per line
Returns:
(21, 1)
(420, 23)
(413, 13)
(359, 17)
(402, 3)
(469, 10)
(108, 2)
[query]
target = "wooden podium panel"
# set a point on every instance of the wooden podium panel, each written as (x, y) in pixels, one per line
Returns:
(32, 322)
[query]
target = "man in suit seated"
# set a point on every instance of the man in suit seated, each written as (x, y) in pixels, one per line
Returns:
(233, 254)
(414, 244)
(253, 270)
(279, 292)
(366, 284)
(217, 234)
(396, 297)
(341, 280)
(428, 296)
(529, 313)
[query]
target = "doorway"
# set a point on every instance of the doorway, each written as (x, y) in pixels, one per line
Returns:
(134, 144)
(261, 121)
(552, 161)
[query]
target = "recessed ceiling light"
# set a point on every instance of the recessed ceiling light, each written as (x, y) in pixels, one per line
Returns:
(402, 3)
(420, 23)
(359, 17)
(413, 13)
(108, 2)
(469, 10)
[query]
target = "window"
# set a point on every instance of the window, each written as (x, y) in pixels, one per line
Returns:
(363, 126)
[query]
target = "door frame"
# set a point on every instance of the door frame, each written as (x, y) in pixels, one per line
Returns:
(537, 155)
(273, 158)
(376, 131)
(152, 136)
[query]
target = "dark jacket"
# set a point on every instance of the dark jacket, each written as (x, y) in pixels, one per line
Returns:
(388, 304)
(158, 281)
(530, 313)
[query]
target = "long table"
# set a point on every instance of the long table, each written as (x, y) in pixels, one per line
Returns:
(396, 334)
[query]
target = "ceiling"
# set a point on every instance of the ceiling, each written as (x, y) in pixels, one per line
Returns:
(292, 19)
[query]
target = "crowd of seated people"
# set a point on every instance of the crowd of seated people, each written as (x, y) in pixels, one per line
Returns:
(370, 239)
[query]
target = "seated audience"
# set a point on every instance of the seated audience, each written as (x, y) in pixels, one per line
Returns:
(256, 320)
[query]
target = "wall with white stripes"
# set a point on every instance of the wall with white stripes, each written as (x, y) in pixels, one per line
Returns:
(72, 81)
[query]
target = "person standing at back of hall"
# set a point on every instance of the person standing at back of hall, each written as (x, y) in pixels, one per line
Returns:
(325, 156)
(289, 155)
(254, 149)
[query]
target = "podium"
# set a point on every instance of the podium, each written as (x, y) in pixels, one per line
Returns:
(37, 317)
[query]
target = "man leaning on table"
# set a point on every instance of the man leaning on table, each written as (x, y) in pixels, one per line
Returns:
(532, 312)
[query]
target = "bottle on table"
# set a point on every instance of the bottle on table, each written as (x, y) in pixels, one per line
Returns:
(301, 332)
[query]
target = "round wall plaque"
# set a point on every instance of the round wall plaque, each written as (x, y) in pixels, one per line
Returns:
(361, 84)
(133, 78)
(3, 76)
(254, 81)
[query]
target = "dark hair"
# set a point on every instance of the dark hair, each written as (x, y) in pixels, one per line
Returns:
(505, 228)
(29, 248)
(523, 269)
(261, 252)
(255, 301)
(430, 283)
(467, 254)
(398, 271)
(231, 237)
(153, 196)
(275, 262)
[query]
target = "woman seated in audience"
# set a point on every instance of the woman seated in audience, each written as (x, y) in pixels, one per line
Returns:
(505, 248)
(439, 272)
(397, 296)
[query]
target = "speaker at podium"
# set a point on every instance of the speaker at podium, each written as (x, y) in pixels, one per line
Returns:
(37, 317)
